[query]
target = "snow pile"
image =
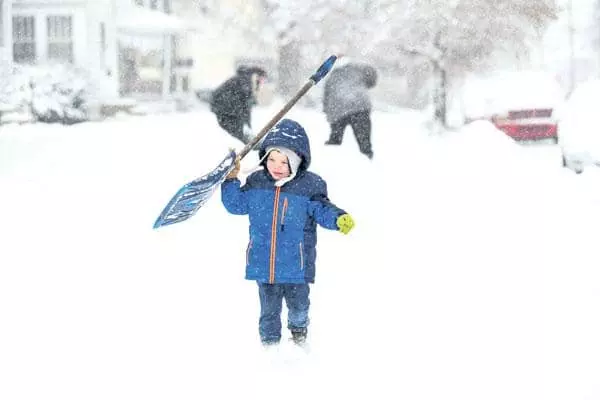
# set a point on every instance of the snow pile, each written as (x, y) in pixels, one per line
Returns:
(482, 147)
(496, 93)
(464, 279)
(483, 135)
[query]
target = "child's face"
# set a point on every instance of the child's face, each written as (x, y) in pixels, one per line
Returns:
(277, 165)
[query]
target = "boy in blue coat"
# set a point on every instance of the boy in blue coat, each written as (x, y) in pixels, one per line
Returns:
(284, 202)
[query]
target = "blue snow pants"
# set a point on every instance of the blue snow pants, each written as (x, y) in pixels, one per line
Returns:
(271, 296)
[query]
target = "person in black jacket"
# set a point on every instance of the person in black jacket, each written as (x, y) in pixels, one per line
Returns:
(232, 101)
(346, 101)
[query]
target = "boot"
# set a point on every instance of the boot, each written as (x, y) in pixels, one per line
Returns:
(299, 336)
(267, 344)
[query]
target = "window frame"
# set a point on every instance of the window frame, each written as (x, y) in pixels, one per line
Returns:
(59, 33)
(27, 41)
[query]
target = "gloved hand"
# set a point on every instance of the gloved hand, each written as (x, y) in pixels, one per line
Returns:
(236, 169)
(345, 223)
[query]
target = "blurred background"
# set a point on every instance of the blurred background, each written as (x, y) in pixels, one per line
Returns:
(442, 56)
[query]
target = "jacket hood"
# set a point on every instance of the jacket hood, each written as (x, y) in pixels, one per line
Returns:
(291, 135)
(249, 70)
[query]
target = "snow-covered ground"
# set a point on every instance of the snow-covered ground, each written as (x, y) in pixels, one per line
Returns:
(473, 271)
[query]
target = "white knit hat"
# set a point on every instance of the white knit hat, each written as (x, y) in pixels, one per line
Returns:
(294, 162)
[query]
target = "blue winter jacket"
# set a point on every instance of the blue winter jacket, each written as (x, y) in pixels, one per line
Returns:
(283, 234)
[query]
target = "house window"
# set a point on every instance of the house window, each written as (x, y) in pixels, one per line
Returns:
(60, 38)
(185, 83)
(154, 4)
(139, 3)
(168, 7)
(24, 39)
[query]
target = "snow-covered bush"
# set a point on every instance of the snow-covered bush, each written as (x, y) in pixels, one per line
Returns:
(14, 89)
(52, 93)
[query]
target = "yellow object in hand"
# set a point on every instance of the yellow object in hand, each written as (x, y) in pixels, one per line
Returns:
(345, 223)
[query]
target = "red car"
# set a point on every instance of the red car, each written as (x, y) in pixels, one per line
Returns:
(528, 124)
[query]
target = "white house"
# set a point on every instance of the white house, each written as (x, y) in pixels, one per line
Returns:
(218, 47)
(126, 45)
(147, 36)
(141, 49)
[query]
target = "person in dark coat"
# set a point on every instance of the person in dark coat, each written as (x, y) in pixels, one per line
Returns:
(346, 101)
(284, 202)
(232, 101)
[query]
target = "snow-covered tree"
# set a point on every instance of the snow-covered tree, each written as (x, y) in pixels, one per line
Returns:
(467, 35)
(452, 37)
(448, 37)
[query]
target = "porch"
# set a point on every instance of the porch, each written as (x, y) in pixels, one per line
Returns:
(147, 56)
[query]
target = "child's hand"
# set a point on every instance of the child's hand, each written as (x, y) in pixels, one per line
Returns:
(236, 169)
(345, 223)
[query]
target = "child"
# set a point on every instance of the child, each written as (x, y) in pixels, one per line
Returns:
(284, 203)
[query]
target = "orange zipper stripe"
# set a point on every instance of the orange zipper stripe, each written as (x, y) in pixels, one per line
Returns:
(274, 235)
